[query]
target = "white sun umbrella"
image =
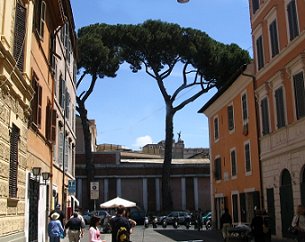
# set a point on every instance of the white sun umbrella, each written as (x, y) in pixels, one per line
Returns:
(114, 203)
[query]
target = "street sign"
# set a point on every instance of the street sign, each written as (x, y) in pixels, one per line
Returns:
(71, 187)
(94, 190)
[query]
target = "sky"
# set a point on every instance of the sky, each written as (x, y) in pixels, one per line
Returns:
(129, 109)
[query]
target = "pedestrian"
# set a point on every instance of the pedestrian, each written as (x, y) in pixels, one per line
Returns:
(120, 226)
(94, 232)
(55, 229)
(80, 216)
(61, 214)
(225, 223)
(266, 226)
(257, 227)
(298, 222)
(75, 228)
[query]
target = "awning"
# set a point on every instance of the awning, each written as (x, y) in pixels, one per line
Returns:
(75, 200)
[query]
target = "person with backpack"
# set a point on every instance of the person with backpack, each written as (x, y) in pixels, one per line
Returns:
(120, 226)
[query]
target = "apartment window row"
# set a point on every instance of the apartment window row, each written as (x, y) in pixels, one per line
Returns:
(292, 28)
(280, 104)
(230, 115)
(233, 163)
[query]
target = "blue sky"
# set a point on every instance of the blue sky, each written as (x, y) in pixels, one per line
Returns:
(129, 109)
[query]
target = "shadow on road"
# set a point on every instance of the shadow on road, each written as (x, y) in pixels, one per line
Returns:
(189, 235)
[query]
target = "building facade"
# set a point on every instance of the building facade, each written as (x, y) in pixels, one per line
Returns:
(235, 166)
(139, 180)
(137, 176)
(63, 59)
(28, 114)
(278, 32)
(15, 97)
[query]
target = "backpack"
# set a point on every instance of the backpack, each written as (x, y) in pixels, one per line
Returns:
(122, 235)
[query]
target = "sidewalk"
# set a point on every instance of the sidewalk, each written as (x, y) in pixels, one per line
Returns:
(141, 234)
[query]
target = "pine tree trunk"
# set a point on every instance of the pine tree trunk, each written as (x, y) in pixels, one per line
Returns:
(167, 201)
(88, 151)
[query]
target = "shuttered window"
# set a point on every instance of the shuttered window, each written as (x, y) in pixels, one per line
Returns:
(14, 138)
(247, 157)
(274, 38)
(292, 20)
(230, 117)
(60, 147)
(233, 163)
(260, 53)
(255, 6)
(299, 93)
(216, 129)
(245, 107)
(19, 35)
(53, 125)
(265, 116)
(36, 103)
(280, 107)
(218, 169)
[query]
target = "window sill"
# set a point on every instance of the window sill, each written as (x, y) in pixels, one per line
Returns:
(12, 202)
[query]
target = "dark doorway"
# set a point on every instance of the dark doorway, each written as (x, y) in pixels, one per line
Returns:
(33, 210)
(286, 198)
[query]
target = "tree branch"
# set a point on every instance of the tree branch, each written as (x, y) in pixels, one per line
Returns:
(80, 79)
(90, 90)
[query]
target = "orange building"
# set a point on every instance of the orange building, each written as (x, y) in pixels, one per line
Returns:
(235, 167)
(278, 32)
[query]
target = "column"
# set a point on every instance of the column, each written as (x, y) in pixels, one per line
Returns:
(183, 193)
(145, 203)
(196, 192)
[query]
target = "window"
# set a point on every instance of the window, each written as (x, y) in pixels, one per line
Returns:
(13, 188)
(40, 17)
(255, 6)
(216, 129)
(60, 147)
(19, 39)
(280, 108)
(247, 157)
(53, 53)
(36, 103)
(265, 116)
(233, 163)
(299, 93)
(61, 92)
(274, 38)
(50, 122)
(292, 20)
(218, 169)
(230, 117)
(260, 52)
(244, 107)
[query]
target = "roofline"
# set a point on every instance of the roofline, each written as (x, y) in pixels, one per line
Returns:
(224, 87)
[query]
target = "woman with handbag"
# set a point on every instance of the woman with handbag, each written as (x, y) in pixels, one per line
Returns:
(298, 222)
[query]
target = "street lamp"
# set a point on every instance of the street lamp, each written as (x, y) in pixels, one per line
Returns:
(45, 175)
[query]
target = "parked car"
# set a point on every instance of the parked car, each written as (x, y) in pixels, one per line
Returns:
(180, 216)
(138, 216)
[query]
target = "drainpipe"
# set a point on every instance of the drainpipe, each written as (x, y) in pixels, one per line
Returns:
(257, 136)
